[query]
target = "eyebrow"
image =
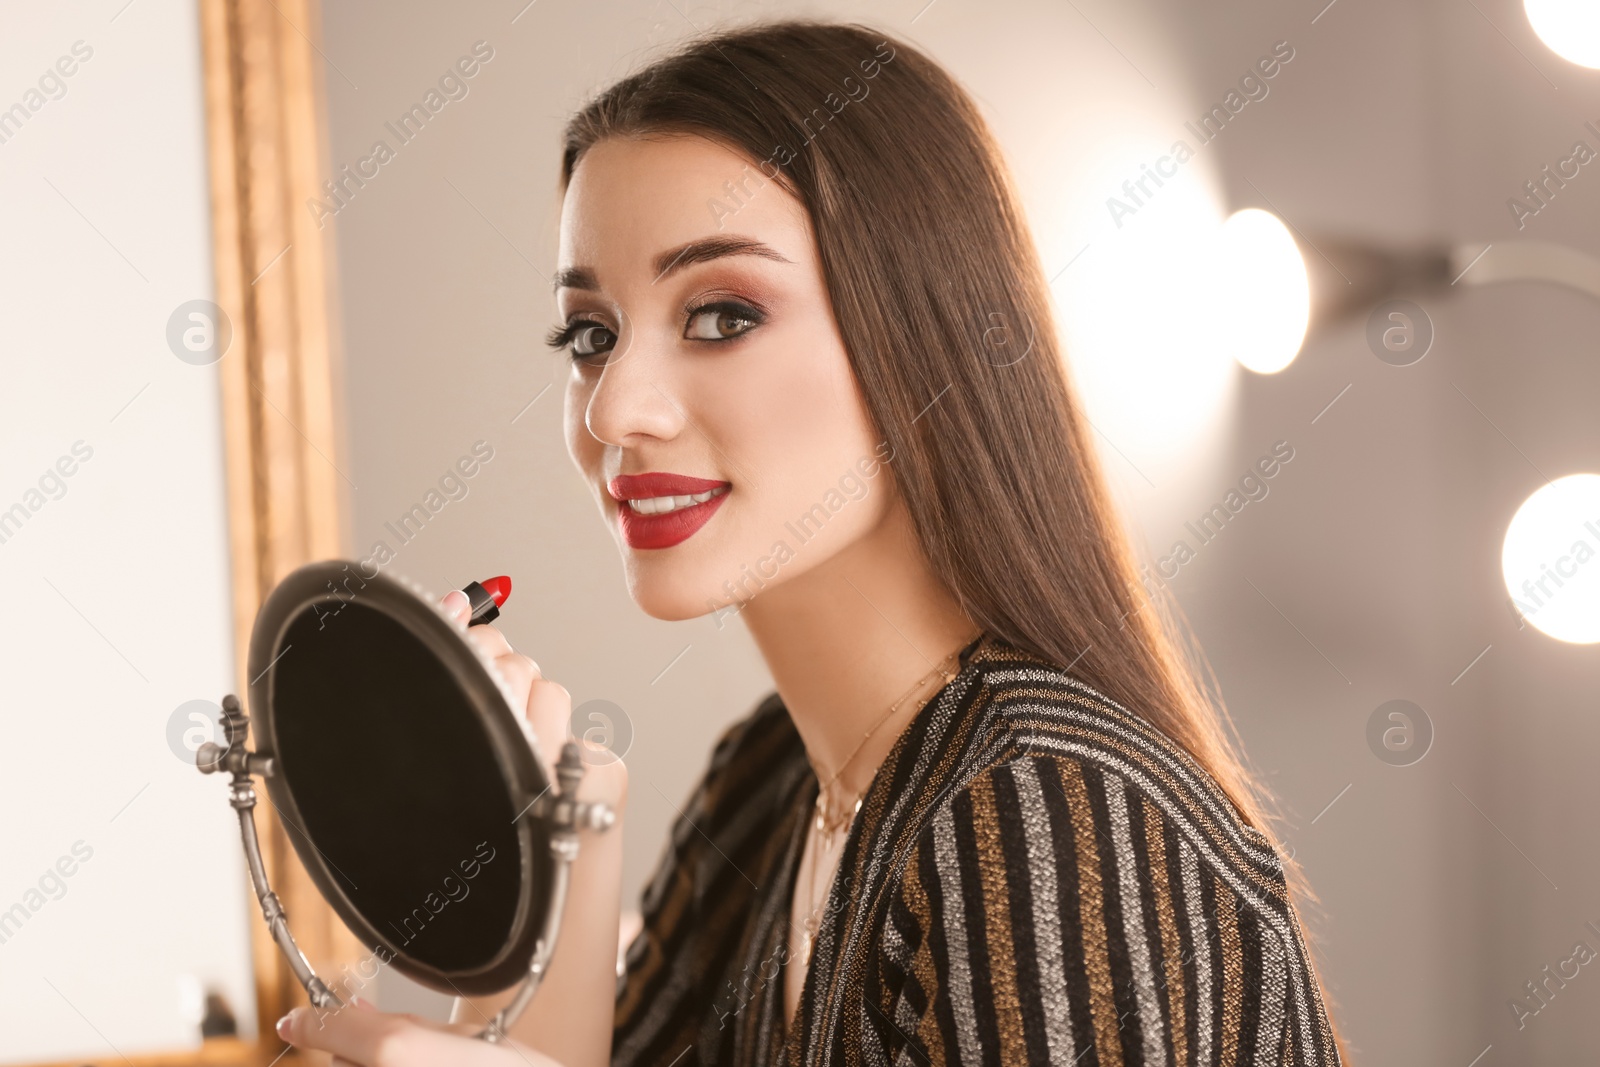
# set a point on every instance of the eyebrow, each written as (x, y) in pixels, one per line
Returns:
(676, 259)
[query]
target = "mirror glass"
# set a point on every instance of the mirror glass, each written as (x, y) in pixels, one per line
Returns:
(398, 787)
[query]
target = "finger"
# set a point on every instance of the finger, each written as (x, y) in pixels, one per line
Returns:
(370, 1038)
(378, 1039)
(349, 1035)
(550, 712)
(456, 606)
(493, 644)
(489, 641)
(518, 671)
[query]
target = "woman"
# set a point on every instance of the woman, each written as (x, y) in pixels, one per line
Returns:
(988, 816)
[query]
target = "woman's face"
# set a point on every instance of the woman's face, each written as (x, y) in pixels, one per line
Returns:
(710, 404)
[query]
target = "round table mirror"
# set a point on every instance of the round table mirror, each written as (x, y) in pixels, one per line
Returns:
(406, 782)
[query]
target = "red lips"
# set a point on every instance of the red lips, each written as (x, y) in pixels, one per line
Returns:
(673, 527)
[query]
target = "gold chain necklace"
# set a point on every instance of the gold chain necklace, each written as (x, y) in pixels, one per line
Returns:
(830, 827)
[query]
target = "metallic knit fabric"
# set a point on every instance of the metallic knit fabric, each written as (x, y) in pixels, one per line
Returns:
(1036, 876)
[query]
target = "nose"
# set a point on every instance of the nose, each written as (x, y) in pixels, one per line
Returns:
(633, 400)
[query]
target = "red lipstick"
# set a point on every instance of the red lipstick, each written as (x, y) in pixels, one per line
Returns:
(486, 597)
(669, 528)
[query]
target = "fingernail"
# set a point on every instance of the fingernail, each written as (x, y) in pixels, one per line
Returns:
(456, 605)
(283, 1026)
(363, 1003)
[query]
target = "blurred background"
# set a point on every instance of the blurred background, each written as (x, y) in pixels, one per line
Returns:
(1374, 266)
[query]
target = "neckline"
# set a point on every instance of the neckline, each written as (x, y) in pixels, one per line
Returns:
(963, 655)
(801, 805)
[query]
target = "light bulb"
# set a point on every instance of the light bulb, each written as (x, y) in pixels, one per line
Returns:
(1569, 28)
(1265, 289)
(1551, 559)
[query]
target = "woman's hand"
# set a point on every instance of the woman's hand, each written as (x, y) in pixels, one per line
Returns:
(548, 708)
(570, 1021)
(361, 1034)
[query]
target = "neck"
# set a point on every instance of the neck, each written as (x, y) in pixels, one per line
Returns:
(848, 638)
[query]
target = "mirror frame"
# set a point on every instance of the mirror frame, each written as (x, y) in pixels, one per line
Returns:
(328, 584)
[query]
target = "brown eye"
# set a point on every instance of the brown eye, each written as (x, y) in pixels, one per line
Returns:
(719, 322)
(591, 342)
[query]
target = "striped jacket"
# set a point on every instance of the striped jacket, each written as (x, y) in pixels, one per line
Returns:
(1035, 876)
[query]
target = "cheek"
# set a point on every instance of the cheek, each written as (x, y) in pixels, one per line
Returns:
(814, 412)
(794, 390)
(796, 423)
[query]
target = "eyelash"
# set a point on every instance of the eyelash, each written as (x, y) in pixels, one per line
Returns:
(561, 337)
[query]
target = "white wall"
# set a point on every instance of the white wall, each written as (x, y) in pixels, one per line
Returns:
(117, 587)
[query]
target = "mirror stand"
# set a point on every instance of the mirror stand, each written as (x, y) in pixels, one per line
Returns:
(560, 810)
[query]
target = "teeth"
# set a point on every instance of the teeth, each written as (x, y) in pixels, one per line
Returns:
(660, 505)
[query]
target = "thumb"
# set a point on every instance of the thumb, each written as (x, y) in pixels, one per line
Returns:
(456, 606)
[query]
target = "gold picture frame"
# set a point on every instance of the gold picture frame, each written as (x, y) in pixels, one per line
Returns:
(265, 124)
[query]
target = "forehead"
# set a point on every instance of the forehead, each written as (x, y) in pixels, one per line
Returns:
(629, 198)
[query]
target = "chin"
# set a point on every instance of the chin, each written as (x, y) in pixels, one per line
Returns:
(673, 590)
(701, 575)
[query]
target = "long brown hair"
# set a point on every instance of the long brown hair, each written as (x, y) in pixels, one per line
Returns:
(944, 309)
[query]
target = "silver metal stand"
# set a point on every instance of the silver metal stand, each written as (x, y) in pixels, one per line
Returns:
(563, 814)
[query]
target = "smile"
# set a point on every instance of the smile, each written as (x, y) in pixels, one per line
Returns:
(662, 505)
(659, 510)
